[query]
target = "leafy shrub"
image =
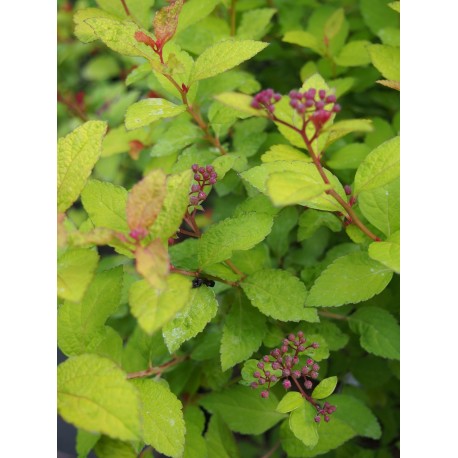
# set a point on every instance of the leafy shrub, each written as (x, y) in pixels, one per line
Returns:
(227, 171)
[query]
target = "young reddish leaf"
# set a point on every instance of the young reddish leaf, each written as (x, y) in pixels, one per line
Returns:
(166, 21)
(145, 201)
(152, 262)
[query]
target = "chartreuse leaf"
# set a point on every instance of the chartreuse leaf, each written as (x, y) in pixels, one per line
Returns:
(223, 56)
(83, 31)
(278, 294)
(349, 157)
(152, 262)
(380, 167)
(149, 110)
(175, 203)
(290, 188)
(239, 102)
(334, 23)
(255, 23)
(75, 269)
(259, 178)
(85, 442)
(349, 279)
(201, 307)
(386, 60)
(354, 54)
(193, 11)
(243, 331)
(243, 410)
(78, 325)
(195, 445)
(342, 128)
(239, 233)
(378, 15)
(77, 154)
(325, 388)
(106, 205)
(145, 200)
(120, 36)
(162, 417)
(304, 39)
(220, 440)
(284, 153)
(379, 331)
(381, 207)
(290, 401)
(387, 252)
(113, 448)
(311, 220)
(303, 425)
(93, 394)
(154, 308)
(396, 6)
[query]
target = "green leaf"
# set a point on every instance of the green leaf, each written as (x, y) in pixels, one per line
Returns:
(162, 417)
(348, 280)
(77, 154)
(78, 324)
(223, 56)
(75, 269)
(349, 157)
(101, 68)
(106, 205)
(342, 128)
(120, 36)
(311, 220)
(325, 388)
(387, 252)
(195, 445)
(378, 15)
(255, 23)
(201, 307)
(396, 6)
(175, 204)
(386, 60)
(259, 176)
(251, 261)
(220, 440)
(304, 39)
(93, 394)
(112, 448)
(278, 294)
(380, 167)
(290, 401)
(240, 233)
(243, 331)
(303, 425)
(379, 331)
(194, 11)
(243, 410)
(85, 442)
(153, 308)
(381, 207)
(239, 102)
(145, 200)
(284, 153)
(354, 54)
(149, 110)
(83, 31)
(334, 23)
(152, 263)
(290, 188)
(279, 239)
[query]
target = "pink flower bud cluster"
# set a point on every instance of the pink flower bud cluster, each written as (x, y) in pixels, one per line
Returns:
(324, 411)
(286, 359)
(266, 99)
(204, 176)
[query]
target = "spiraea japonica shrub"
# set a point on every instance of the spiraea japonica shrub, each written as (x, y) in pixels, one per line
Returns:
(228, 227)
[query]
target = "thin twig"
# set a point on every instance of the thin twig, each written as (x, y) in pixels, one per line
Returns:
(334, 316)
(75, 109)
(271, 451)
(232, 11)
(156, 370)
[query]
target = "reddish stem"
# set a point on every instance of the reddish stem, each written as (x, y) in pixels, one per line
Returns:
(156, 370)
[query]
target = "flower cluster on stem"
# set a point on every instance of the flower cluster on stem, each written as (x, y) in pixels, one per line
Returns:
(204, 176)
(286, 359)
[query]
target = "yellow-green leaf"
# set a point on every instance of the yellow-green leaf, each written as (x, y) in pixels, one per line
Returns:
(93, 394)
(152, 262)
(386, 60)
(387, 252)
(325, 388)
(77, 154)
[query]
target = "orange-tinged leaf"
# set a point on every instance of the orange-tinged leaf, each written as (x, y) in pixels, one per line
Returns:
(166, 21)
(389, 83)
(145, 201)
(152, 262)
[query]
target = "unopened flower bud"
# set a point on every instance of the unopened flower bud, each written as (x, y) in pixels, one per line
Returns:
(275, 365)
(195, 188)
(284, 348)
(286, 372)
(347, 189)
(330, 98)
(266, 359)
(315, 345)
(322, 94)
(257, 374)
(301, 347)
(193, 200)
(317, 418)
(308, 384)
(195, 167)
(212, 180)
(202, 195)
(287, 384)
(209, 168)
(201, 169)
(326, 418)
(254, 385)
(273, 378)
(261, 381)
(309, 362)
(314, 374)
(296, 374)
(336, 108)
(316, 367)
(265, 394)
(260, 365)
